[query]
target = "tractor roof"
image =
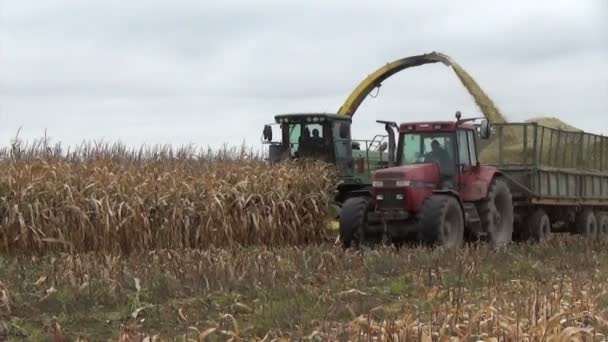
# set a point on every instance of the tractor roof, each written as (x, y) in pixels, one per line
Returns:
(433, 126)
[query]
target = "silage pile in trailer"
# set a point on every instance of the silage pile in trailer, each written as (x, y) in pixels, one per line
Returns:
(513, 137)
(513, 144)
(111, 199)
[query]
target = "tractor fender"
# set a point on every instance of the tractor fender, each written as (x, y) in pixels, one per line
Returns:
(488, 174)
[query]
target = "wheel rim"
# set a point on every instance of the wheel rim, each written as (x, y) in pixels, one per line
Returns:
(447, 229)
(593, 228)
(500, 218)
(545, 229)
(451, 229)
(603, 228)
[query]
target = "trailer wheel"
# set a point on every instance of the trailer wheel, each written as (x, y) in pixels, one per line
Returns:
(496, 213)
(586, 224)
(353, 221)
(538, 227)
(603, 227)
(441, 221)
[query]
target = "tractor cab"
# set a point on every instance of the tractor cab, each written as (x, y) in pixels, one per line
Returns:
(447, 147)
(451, 145)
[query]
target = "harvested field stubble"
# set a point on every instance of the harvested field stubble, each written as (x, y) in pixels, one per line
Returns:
(111, 199)
(535, 292)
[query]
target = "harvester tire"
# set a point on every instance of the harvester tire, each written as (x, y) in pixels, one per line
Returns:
(353, 221)
(603, 227)
(442, 221)
(496, 213)
(586, 224)
(538, 227)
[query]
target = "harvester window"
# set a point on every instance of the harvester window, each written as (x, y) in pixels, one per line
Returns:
(343, 144)
(294, 137)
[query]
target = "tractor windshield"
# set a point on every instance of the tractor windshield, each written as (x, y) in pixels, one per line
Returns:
(415, 148)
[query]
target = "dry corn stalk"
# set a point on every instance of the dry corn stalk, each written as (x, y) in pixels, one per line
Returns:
(122, 201)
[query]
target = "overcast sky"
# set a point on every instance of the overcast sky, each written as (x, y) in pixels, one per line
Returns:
(209, 72)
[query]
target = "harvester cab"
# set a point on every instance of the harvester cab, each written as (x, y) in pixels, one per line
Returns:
(323, 137)
(327, 137)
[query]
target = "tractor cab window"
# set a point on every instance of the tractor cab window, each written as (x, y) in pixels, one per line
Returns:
(464, 156)
(467, 154)
(419, 148)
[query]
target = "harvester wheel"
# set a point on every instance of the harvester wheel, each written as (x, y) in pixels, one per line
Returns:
(442, 221)
(586, 224)
(353, 221)
(496, 213)
(538, 227)
(603, 227)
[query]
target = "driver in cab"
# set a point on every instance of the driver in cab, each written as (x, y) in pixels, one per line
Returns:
(438, 154)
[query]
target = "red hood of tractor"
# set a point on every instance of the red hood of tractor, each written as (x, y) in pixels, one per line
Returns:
(428, 173)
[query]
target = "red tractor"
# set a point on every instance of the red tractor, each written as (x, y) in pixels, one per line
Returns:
(437, 192)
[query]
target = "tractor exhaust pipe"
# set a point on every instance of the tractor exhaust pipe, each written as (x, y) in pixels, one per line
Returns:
(390, 127)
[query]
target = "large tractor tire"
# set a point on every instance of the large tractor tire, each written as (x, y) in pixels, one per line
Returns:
(353, 221)
(496, 213)
(586, 224)
(537, 227)
(603, 227)
(442, 221)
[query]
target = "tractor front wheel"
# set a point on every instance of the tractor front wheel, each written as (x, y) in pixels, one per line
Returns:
(496, 213)
(353, 221)
(442, 221)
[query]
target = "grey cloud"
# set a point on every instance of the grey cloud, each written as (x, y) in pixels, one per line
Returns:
(209, 72)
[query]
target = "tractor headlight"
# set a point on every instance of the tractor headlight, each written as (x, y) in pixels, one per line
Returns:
(402, 183)
(379, 197)
(377, 184)
(315, 119)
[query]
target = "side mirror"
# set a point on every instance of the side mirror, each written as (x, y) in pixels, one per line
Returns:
(267, 133)
(485, 129)
(355, 145)
(344, 130)
(383, 147)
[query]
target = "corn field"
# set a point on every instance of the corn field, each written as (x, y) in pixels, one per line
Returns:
(102, 197)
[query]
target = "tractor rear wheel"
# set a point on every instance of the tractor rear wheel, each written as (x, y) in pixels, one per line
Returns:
(442, 221)
(603, 227)
(496, 213)
(538, 227)
(353, 221)
(586, 224)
